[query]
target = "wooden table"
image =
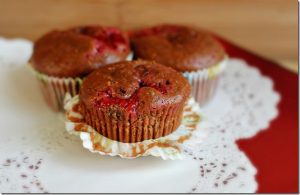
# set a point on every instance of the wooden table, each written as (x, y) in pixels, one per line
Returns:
(267, 27)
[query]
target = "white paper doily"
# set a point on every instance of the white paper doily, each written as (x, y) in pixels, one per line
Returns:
(38, 155)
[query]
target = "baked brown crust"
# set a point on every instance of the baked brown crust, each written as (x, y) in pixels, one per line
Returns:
(181, 47)
(134, 101)
(78, 51)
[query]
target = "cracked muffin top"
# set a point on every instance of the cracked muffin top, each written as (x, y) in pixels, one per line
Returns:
(135, 87)
(78, 51)
(183, 48)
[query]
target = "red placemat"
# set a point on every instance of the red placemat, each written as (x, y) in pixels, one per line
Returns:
(274, 152)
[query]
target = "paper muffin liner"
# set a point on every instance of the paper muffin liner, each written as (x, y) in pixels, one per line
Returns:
(54, 89)
(204, 82)
(126, 128)
(167, 147)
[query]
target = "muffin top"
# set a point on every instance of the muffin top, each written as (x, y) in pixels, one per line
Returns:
(136, 87)
(78, 51)
(183, 48)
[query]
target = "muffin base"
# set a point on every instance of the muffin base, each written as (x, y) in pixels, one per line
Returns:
(204, 82)
(130, 128)
(54, 89)
(167, 147)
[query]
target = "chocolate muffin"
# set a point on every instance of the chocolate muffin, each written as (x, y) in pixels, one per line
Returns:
(134, 101)
(194, 52)
(61, 58)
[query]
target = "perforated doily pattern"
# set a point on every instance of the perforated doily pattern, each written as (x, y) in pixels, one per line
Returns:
(244, 105)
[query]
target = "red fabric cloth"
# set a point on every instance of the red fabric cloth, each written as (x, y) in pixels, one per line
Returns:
(274, 152)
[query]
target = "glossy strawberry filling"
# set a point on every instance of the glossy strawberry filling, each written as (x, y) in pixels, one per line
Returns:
(104, 99)
(112, 40)
(107, 38)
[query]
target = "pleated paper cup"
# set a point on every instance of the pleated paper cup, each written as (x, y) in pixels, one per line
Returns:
(54, 89)
(204, 82)
(167, 147)
(128, 128)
